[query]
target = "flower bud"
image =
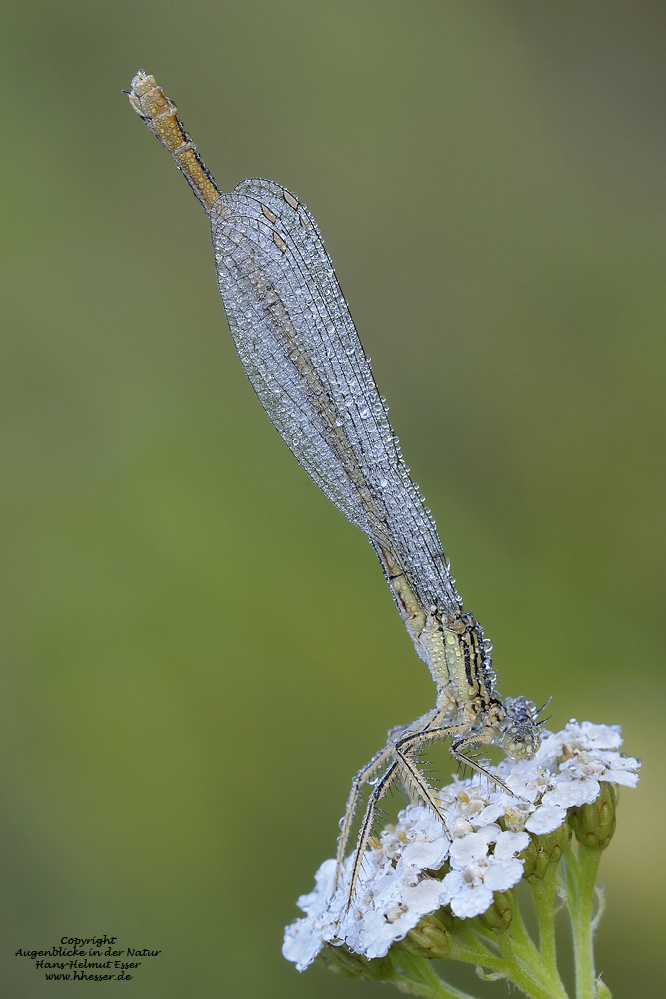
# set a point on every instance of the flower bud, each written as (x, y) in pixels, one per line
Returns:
(603, 992)
(430, 938)
(543, 851)
(343, 962)
(594, 824)
(499, 916)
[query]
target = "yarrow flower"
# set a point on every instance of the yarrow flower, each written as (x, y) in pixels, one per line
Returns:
(418, 879)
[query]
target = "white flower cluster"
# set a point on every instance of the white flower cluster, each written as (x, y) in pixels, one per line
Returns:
(397, 888)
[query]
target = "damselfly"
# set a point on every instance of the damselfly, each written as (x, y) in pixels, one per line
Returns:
(299, 348)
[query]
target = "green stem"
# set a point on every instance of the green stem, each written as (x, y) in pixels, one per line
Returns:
(474, 944)
(524, 964)
(523, 944)
(543, 899)
(466, 946)
(415, 976)
(520, 961)
(581, 878)
(525, 974)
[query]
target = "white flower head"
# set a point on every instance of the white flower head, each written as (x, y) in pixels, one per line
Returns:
(481, 863)
(417, 866)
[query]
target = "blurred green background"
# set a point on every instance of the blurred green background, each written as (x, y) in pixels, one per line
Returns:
(199, 651)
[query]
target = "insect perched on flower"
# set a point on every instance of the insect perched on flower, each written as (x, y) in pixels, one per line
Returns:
(300, 350)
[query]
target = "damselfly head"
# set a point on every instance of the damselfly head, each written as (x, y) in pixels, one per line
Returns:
(520, 736)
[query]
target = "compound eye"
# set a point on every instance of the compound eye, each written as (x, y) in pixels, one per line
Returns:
(520, 743)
